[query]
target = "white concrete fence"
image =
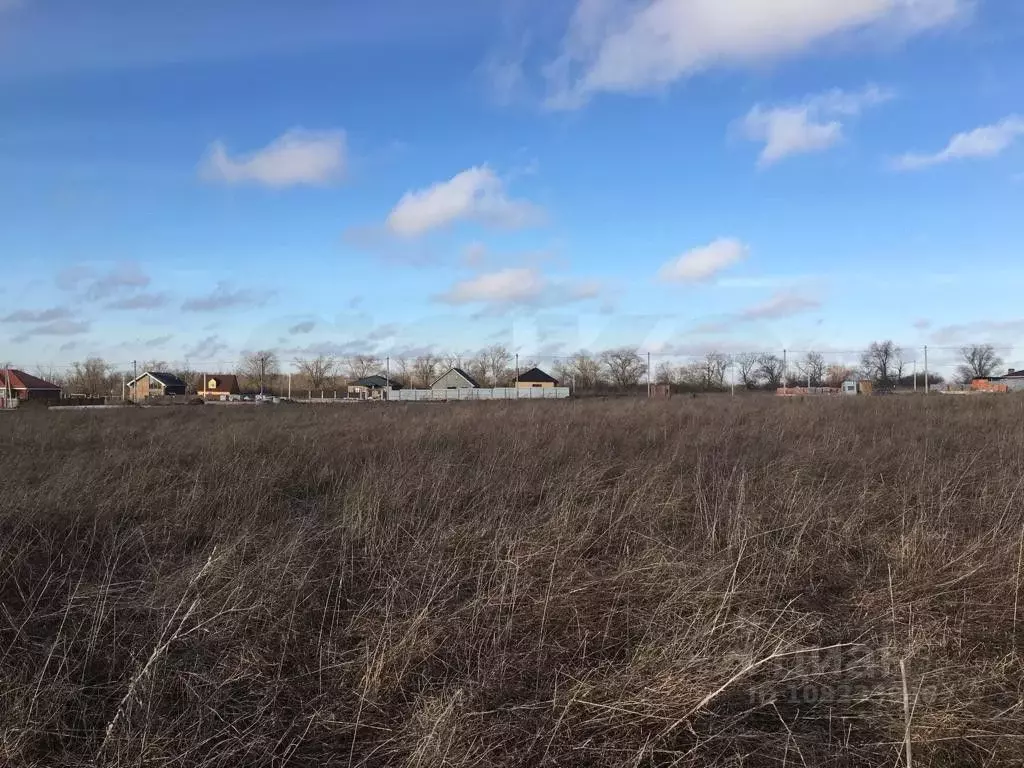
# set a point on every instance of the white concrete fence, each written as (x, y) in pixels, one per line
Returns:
(495, 393)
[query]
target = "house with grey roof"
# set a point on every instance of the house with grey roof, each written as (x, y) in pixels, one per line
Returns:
(455, 378)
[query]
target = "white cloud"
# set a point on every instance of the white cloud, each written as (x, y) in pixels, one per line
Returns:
(125, 276)
(790, 131)
(41, 316)
(226, 297)
(476, 194)
(297, 157)
(505, 78)
(779, 306)
(515, 286)
(627, 46)
(206, 349)
(303, 327)
(999, 332)
(145, 300)
(705, 262)
(812, 126)
(523, 286)
(987, 141)
(56, 328)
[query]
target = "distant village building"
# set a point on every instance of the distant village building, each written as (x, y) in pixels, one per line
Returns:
(218, 386)
(1012, 381)
(455, 378)
(25, 386)
(858, 387)
(373, 387)
(155, 384)
(535, 377)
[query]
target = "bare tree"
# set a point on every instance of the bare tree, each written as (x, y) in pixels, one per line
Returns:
(256, 368)
(771, 369)
(361, 366)
(582, 371)
(713, 369)
(47, 373)
(478, 367)
(747, 368)
(665, 373)
(451, 360)
(498, 359)
(155, 365)
(882, 362)
(318, 371)
(527, 364)
(979, 362)
(186, 374)
(624, 366)
(91, 378)
(691, 376)
(898, 365)
(401, 371)
(836, 375)
(424, 370)
(812, 369)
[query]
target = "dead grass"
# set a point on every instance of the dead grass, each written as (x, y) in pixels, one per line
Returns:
(688, 583)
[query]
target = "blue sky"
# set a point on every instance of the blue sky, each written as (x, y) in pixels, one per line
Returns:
(192, 180)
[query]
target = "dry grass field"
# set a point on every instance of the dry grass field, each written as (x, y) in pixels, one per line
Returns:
(698, 582)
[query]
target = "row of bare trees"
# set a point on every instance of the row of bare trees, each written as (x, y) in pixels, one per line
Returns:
(884, 362)
(490, 366)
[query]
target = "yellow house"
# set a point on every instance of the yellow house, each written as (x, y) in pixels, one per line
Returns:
(535, 377)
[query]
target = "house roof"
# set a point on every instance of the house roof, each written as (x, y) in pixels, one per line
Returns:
(167, 379)
(378, 381)
(461, 373)
(226, 382)
(25, 381)
(536, 376)
(1012, 374)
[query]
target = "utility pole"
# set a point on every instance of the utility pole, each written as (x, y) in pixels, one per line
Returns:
(263, 370)
(648, 374)
(927, 378)
(135, 380)
(289, 385)
(387, 377)
(785, 370)
(517, 370)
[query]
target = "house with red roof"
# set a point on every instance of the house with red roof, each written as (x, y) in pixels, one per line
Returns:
(25, 386)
